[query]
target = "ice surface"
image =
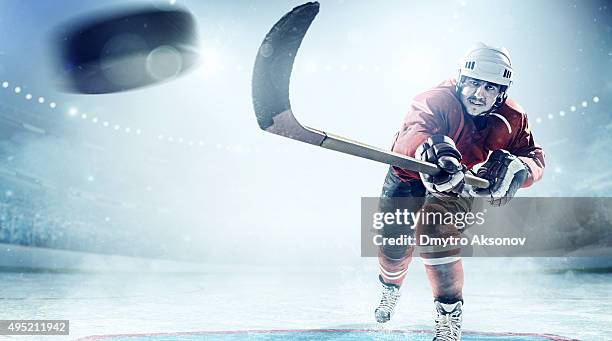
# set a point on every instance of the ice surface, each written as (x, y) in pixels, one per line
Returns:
(500, 296)
(321, 335)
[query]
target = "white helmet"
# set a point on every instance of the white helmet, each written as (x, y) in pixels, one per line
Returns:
(487, 63)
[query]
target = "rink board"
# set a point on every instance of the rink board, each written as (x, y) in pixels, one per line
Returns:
(321, 334)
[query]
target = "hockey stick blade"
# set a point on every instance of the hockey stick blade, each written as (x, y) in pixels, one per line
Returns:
(270, 91)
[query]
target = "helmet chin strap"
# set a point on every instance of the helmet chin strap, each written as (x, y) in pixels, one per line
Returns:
(499, 101)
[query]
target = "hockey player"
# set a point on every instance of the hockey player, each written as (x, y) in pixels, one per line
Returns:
(458, 124)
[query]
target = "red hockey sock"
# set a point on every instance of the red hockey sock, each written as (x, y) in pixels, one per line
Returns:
(446, 281)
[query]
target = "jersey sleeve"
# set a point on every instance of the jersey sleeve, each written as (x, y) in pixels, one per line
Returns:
(529, 152)
(424, 118)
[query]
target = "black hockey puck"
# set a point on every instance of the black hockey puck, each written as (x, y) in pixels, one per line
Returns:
(125, 49)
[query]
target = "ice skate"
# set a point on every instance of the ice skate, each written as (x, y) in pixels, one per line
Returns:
(390, 295)
(448, 321)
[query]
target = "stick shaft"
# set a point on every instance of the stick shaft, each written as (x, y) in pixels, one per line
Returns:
(347, 146)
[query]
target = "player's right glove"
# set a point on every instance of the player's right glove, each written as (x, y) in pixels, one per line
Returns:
(441, 151)
(506, 174)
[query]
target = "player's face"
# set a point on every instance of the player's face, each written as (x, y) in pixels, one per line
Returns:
(478, 96)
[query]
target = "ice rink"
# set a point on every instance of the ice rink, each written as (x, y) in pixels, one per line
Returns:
(94, 187)
(500, 296)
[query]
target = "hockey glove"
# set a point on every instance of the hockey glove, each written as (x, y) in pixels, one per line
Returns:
(441, 151)
(506, 174)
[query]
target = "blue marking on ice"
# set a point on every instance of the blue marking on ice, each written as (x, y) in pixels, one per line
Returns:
(336, 335)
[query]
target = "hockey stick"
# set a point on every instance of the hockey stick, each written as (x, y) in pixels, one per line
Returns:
(271, 76)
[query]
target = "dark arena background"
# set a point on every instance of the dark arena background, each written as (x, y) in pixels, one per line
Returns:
(156, 209)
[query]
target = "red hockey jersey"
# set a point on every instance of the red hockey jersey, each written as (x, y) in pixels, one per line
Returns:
(439, 111)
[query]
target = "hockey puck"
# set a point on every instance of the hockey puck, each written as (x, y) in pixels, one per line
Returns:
(125, 49)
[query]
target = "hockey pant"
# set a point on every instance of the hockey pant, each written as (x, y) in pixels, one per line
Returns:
(443, 265)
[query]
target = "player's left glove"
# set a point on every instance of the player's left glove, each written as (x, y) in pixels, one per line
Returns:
(506, 174)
